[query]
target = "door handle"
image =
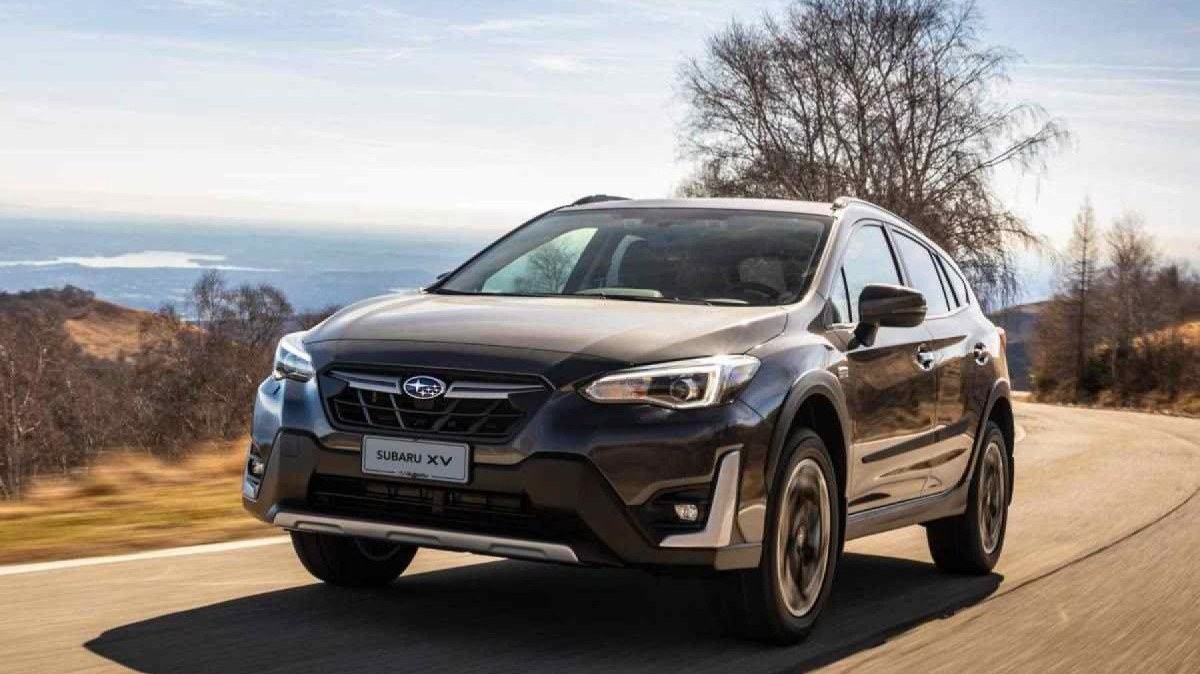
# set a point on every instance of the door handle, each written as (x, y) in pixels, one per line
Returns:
(924, 357)
(981, 353)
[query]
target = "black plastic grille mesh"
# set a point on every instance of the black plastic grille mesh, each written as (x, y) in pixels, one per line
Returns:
(493, 419)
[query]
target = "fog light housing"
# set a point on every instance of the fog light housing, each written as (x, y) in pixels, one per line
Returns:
(687, 512)
(676, 510)
(256, 466)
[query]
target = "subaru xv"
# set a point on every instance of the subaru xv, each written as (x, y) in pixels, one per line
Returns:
(730, 387)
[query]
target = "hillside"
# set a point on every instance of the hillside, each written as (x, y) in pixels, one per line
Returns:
(106, 330)
(101, 329)
(1188, 332)
(1019, 322)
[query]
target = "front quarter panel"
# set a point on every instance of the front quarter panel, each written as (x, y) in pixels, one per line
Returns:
(794, 367)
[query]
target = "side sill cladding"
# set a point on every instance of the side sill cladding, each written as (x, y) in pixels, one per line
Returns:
(926, 509)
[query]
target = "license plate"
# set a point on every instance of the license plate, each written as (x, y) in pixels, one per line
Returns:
(417, 459)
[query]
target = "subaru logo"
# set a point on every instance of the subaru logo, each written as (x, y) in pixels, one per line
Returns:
(424, 387)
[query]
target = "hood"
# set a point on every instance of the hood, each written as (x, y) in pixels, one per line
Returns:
(614, 330)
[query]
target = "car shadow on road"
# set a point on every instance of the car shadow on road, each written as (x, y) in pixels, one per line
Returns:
(524, 617)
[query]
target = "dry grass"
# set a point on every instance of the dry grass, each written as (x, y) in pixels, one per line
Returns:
(107, 330)
(1184, 406)
(131, 502)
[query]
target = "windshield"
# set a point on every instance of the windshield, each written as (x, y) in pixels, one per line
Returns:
(655, 255)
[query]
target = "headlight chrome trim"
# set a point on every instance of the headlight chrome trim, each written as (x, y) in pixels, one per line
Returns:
(292, 360)
(712, 380)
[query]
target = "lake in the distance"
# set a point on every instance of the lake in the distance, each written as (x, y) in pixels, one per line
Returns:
(148, 264)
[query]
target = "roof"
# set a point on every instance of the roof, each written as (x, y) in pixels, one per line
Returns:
(850, 206)
(777, 205)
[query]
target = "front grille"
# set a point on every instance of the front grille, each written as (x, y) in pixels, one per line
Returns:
(441, 508)
(481, 413)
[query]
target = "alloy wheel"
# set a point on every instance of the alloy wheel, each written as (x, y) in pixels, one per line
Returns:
(993, 483)
(803, 537)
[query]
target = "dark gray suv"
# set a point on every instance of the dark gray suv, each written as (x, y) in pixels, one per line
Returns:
(723, 386)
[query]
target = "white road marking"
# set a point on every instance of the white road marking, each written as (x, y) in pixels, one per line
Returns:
(15, 569)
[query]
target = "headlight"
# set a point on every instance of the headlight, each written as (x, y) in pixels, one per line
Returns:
(291, 360)
(684, 384)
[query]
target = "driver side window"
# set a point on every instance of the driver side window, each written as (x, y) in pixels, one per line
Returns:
(868, 260)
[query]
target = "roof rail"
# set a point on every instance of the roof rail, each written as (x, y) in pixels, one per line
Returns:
(596, 198)
(844, 201)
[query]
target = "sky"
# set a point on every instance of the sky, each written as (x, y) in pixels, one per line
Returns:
(477, 113)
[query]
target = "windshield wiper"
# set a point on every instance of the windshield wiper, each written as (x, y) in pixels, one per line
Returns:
(643, 298)
(727, 302)
(448, 291)
(714, 301)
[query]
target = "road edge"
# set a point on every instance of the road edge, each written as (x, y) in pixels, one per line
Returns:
(35, 567)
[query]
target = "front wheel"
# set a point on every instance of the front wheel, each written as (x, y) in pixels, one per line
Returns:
(971, 542)
(351, 562)
(780, 600)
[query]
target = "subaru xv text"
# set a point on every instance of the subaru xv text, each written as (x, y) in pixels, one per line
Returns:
(724, 386)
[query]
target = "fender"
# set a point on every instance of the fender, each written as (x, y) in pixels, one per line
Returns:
(814, 382)
(1000, 389)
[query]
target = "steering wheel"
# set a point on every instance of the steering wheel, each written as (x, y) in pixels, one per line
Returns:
(756, 288)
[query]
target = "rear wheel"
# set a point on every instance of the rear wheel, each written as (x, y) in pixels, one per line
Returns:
(971, 542)
(351, 562)
(780, 600)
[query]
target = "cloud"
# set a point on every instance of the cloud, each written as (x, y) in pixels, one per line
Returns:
(1110, 66)
(560, 63)
(523, 24)
(225, 7)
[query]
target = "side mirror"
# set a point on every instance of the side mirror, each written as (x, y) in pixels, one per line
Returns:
(888, 306)
(441, 276)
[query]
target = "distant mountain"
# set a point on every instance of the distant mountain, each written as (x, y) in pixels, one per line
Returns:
(1019, 322)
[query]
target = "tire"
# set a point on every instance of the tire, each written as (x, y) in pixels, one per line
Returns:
(970, 543)
(351, 562)
(756, 603)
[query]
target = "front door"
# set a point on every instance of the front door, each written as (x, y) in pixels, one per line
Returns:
(890, 384)
(951, 326)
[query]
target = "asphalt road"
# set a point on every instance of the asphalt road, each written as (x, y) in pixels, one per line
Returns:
(1100, 573)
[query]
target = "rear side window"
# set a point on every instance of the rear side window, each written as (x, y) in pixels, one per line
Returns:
(951, 295)
(957, 284)
(925, 275)
(868, 260)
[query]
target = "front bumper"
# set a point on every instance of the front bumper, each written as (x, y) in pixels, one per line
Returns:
(580, 475)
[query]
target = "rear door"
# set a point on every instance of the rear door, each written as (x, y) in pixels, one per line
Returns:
(950, 326)
(892, 395)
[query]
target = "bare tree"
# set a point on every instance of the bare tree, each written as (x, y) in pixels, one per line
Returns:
(1078, 279)
(889, 100)
(1131, 251)
(305, 320)
(188, 381)
(1127, 328)
(21, 381)
(549, 268)
(214, 364)
(47, 394)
